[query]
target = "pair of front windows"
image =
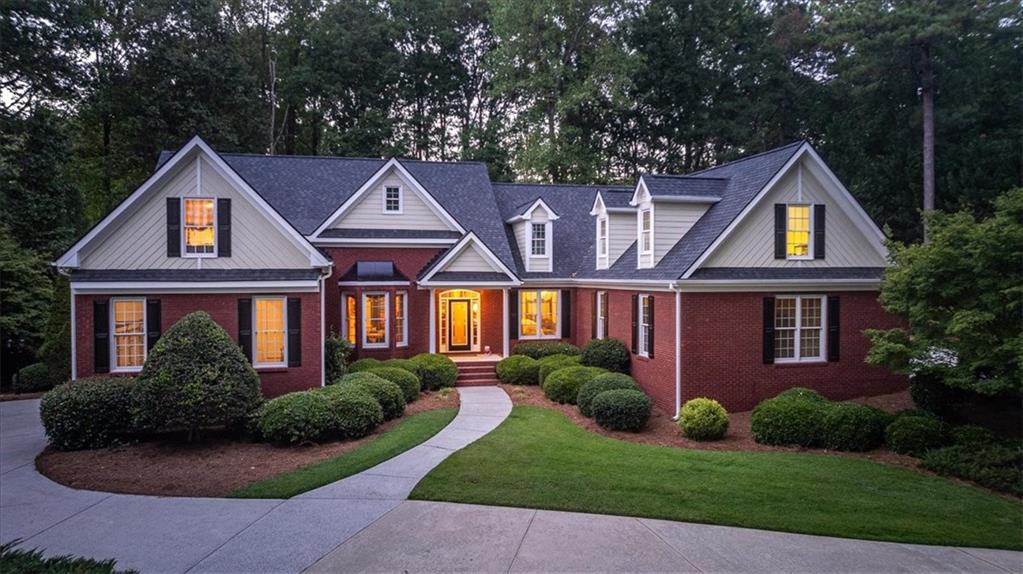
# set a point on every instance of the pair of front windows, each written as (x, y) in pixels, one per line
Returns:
(799, 328)
(538, 314)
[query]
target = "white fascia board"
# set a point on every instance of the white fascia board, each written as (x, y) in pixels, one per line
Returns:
(463, 244)
(640, 187)
(113, 287)
(527, 215)
(442, 284)
(598, 206)
(788, 285)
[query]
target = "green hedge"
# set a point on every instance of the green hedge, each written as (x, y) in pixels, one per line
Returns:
(562, 386)
(703, 419)
(610, 354)
(88, 413)
(541, 349)
(406, 364)
(518, 370)
(802, 393)
(854, 427)
(789, 419)
(552, 363)
(435, 371)
(622, 410)
(994, 465)
(356, 412)
(966, 435)
(404, 378)
(388, 394)
(599, 384)
(296, 417)
(916, 435)
(364, 365)
(33, 379)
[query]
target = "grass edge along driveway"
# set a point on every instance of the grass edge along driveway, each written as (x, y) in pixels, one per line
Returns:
(538, 458)
(411, 432)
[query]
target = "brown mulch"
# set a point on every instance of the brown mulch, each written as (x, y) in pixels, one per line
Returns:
(20, 396)
(213, 467)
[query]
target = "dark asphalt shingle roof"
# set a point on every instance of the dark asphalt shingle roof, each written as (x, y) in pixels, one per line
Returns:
(373, 271)
(390, 233)
(681, 185)
(490, 276)
(193, 275)
(617, 198)
(769, 273)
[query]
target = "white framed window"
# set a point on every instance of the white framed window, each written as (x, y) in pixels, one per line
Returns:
(539, 314)
(799, 231)
(602, 237)
(645, 320)
(199, 232)
(601, 311)
(400, 323)
(349, 317)
(538, 239)
(375, 320)
(392, 199)
(646, 232)
(799, 322)
(270, 330)
(128, 327)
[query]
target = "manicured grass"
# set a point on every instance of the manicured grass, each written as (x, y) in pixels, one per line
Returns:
(416, 429)
(539, 459)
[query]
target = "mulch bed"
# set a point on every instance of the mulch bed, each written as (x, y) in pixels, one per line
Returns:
(214, 467)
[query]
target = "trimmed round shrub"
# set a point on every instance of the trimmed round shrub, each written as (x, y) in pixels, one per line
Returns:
(33, 379)
(364, 365)
(599, 384)
(406, 364)
(295, 417)
(88, 413)
(854, 427)
(610, 354)
(195, 376)
(562, 386)
(518, 370)
(703, 419)
(388, 394)
(541, 349)
(916, 435)
(356, 412)
(435, 371)
(973, 435)
(789, 420)
(551, 363)
(408, 382)
(621, 410)
(801, 393)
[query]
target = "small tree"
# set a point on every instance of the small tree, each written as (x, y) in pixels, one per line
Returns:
(337, 350)
(194, 377)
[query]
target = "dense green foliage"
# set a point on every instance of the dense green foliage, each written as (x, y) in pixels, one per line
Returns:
(562, 386)
(804, 418)
(600, 383)
(88, 413)
(552, 363)
(610, 354)
(541, 349)
(435, 371)
(356, 412)
(407, 364)
(621, 409)
(295, 417)
(388, 394)
(336, 350)
(14, 560)
(364, 365)
(55, 352)
(406, 380)
(703, 419)
(916, 435)
(518, 370)
(853, 427)
(33, 378)
(994, 465)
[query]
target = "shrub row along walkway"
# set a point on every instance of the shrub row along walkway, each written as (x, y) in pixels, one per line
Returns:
(363, 523)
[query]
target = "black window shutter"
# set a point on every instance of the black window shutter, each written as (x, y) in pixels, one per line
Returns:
(768, 330)
(245, 327)
(779, 230)
(818, 231)
(834, 326)
(173, 227)
(152, 322)
(224, 227)
(566, 313)
(101, 335)
(513, 313)
(635, 323)
(294, 332)
(650, 327)
(596, 302)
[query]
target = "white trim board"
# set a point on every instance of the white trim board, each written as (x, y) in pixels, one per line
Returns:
(458, 248)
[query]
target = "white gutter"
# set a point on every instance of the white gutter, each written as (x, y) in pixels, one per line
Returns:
(323, 336)
(678, 348)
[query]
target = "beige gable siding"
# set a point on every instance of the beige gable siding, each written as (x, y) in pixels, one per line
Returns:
(139, 241)
(519, 228)
(523, 236)
(621, 231)
(671, 222)
(752, 243)
(368, 213)
(470, 259)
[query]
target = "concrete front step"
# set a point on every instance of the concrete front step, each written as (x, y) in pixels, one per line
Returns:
(476, 383)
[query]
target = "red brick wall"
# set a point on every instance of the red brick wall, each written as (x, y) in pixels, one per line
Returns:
(223, 307)
(722, 351)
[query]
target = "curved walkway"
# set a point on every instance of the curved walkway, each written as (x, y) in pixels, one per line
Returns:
(364, 523)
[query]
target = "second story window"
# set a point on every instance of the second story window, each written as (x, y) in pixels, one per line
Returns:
(538, 239)
(392, 200)
(646, 232)
(200, 233)
(602, 236)
(797, 232)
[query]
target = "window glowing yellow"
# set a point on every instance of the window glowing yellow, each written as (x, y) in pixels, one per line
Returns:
(270, 331)
(527, 313)
(375, 321)
(538, 313)
(129, 333)
(199, 231)
(797, 236)
(350, 318)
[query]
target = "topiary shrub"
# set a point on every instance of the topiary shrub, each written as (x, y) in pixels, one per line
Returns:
(518, 370)
(916, 435)
(541, 349)
(408, 382)
(88, 413)
(621, 410)
(356, 412)
(995, 466)
(789, 419)
(801, 393)
(388, 394)
(33, 379)
(364, 365)
(703, 419)
(435, 371)
(295, 418)
(336, 350)
(562, 386)
(610, 354)
(854, 427)
(195, 376)
(551, 363)
(599, 384)
(966, 435)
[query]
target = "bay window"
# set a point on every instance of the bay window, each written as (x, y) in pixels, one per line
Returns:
(270, 330)
(199, 229)
(538, 314)
(349, 319)
(400, 324)
(129, 331)
(375, 323)
(799, 328)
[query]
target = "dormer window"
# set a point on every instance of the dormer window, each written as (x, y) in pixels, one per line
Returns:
(199, 230)
(797, 233)
(538, 239)
(602, 237)
(646, 232)
(392, 200)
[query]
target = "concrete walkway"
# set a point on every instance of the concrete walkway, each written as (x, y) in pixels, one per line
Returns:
(364, 523)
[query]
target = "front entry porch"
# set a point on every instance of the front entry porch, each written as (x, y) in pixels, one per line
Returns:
(469, 324)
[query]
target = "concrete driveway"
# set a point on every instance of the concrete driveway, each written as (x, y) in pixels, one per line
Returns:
(364, 523)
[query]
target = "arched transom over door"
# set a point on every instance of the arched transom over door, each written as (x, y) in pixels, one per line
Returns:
(459, 311)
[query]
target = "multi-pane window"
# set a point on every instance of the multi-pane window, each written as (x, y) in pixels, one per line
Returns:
(797, 231)
(602, 236)
(392, 200)
(350, 317)
(270, 330)
(538, 240)
(645, 313)
(374, 320)
(646, 232)
(601, 314)
(538, 314)
(129, 333)
(200, 233)
(799, 328)
(400, 324)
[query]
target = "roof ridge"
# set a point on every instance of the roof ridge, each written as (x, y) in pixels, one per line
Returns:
(686, 176)
(347, 157)
(765, 152)
(598, 185)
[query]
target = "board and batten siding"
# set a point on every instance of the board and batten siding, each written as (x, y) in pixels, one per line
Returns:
(752, 243)
(671, 222)
(470, 259)
(368, 213)
(139, 240)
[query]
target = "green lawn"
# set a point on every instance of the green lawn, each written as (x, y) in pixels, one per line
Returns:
(539, 459)
(411, 432)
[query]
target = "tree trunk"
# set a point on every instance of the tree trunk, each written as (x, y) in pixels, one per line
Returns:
(927, 95)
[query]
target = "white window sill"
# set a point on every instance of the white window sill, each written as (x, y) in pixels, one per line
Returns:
(199, 255)
(263, 366)
(814, 361)
(802, 258)
(401, 345)
(539, 338)
(126, 370)
(375, 345)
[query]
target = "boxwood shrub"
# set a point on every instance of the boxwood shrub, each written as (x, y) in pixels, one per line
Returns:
(916, 435)
(610, 354)
(621, 410)
(296, 418)
(435, 371)
(703, 419)
(33, 379)
(854, 427)
(802, 393)
(405, 379)
(973, 435)
(88, 413)
(541, 349)
(364, 365)
(356, 412)
(195, 376)
(388, 394)
(793, 418)
(599, 384)
(996, 466)
(562, 386)
(407, 364)
(518, 370)
(551, 363)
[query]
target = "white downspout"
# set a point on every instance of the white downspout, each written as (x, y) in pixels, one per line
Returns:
(505, 345)
(678, 347)
(323, 335)
(433, 322)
